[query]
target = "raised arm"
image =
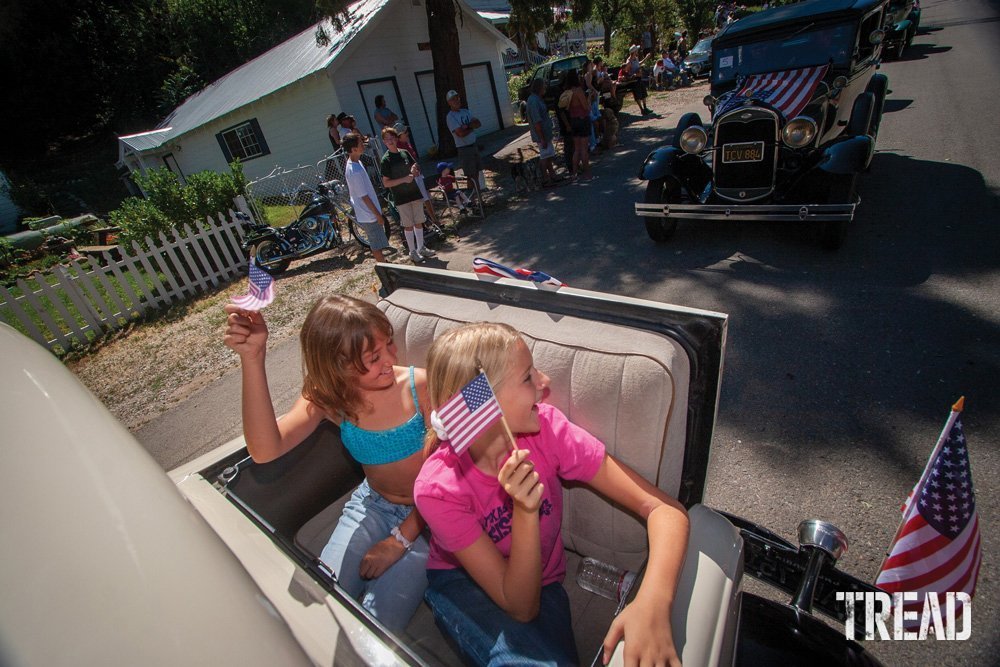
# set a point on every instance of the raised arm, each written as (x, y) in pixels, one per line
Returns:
(514, 583)
(267, 437)
(645, 623)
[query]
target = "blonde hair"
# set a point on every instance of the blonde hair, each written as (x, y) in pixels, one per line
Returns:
(458, 355)
(336, 333)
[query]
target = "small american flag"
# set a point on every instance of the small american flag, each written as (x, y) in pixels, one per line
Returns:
(938, 547)
(260, 291)
(788, 91)
(469, 412)
(487, 267)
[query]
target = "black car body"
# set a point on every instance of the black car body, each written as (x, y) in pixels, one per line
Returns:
(699, 59)
(902, 21)
(554, 72)
(795, 110)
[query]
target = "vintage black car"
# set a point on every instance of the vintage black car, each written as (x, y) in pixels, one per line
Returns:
(902, 22)
(795, 108)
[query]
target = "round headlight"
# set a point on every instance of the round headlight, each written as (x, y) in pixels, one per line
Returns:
(799, 132)
(693, 139)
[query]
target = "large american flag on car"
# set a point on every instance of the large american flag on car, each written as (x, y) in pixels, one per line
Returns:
(938, 547)
(788, 91)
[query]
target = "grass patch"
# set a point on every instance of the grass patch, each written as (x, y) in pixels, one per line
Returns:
(281, 216)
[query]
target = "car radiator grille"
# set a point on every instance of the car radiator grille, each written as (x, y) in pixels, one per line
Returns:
(749, 180)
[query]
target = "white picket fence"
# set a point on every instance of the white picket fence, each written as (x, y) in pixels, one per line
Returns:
(72, 304)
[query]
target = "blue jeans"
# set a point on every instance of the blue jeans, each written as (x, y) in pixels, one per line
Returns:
(486, 635)
(368, 518)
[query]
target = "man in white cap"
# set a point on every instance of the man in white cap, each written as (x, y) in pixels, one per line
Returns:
(463, 127)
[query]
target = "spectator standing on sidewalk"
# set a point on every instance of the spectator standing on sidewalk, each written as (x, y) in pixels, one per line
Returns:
(367, 209)
(333, 131)
(399, 173)
(463, 127)
(404, 144)
(633, 72)
(540, 124)
(579, 123)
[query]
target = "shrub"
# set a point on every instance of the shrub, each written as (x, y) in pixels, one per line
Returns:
(208, 193)
(139, 218)
(166, 193)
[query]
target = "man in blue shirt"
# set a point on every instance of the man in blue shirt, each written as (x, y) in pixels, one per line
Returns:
(540, 124)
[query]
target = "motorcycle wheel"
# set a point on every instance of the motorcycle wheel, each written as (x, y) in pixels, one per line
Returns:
(358, 233)
(658, 191)
(266, 254)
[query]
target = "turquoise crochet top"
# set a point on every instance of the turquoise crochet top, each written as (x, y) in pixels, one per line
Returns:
(388, 446)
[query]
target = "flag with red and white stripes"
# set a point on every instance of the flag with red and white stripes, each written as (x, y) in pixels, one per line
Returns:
(468, 413)
(938, 547)
(788, 91)
(260, 290)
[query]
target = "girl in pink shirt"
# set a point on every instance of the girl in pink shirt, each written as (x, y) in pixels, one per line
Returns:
(497, 562)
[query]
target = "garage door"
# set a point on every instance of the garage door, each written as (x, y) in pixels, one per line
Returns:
(482, 100)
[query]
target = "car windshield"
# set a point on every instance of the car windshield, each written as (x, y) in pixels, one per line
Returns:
(704, 46)
(804, 48)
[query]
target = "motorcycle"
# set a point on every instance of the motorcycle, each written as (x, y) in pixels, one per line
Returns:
(319, 227)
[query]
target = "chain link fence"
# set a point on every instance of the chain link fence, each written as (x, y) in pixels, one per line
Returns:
(279, 197)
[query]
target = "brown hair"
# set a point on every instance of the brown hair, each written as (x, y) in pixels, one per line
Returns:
(389, 130)
(350, 140)
(457, 356)
(336, 333)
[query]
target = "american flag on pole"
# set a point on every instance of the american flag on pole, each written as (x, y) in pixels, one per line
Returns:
(469, 412)
(788, 91)
(260, 291)
(938, 546)
(487, 267)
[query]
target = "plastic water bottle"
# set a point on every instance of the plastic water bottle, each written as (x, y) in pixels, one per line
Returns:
(604, 579)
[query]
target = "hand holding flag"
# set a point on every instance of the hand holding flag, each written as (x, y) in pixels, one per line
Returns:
(260, 291)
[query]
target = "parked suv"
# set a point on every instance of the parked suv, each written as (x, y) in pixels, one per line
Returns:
(795, 110)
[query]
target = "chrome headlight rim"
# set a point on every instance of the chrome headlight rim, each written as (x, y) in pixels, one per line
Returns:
(799, 132)
(693, 139)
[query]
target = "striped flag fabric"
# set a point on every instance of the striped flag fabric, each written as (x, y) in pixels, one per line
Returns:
(487, 267)
(469, 412)
(788, 91)
(260, 291)
(938, 546)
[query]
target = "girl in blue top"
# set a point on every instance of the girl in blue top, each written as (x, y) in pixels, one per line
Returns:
(378, 549)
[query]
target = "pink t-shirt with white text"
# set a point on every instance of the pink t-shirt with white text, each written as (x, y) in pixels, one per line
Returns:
(459, 501)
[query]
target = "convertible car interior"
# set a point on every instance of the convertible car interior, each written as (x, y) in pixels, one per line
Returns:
(642, 377)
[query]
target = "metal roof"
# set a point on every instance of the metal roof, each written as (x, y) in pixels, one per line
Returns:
(146, 140)
(286, 63)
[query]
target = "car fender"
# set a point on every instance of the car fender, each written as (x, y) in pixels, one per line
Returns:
(847, 157)
(901, 27)
(661, 163)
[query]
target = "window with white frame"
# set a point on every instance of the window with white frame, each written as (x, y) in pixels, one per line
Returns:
(244, 141)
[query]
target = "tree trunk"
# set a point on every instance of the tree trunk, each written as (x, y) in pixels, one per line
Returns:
(443, 33)
(607, 38)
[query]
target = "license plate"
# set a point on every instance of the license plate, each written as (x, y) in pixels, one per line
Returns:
(752, 151)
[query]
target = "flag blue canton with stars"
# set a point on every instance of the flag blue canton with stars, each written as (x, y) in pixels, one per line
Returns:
(947, 501)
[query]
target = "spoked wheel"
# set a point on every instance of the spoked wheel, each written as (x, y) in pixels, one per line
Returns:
(267, 255)
(660, 191)
(842, 189)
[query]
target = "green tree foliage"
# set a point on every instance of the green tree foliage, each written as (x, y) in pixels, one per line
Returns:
(139, 218)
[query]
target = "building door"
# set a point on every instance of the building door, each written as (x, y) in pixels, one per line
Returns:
(482, 101)
(369, 91)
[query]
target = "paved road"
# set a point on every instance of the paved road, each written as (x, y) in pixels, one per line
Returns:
(840, 367)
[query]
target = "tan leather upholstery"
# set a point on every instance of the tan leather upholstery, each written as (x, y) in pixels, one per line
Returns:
(627, 387)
